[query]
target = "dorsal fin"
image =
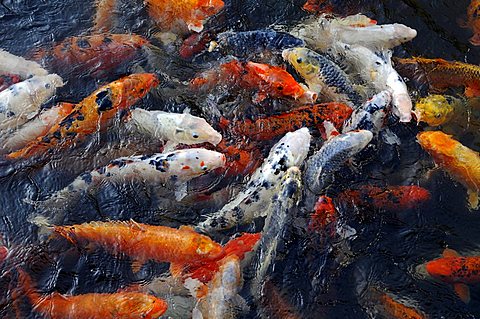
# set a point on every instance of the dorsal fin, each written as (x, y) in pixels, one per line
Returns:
(450, 253)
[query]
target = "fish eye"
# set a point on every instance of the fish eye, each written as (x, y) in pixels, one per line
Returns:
(204, 168)
(299, 60)
(280, 87)
(195, 135)
(438, 115)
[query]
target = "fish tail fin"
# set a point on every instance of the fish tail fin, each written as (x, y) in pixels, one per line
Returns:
(473, 198)
(26, 288)
(462, 291)
(475, 40)
(103, 17)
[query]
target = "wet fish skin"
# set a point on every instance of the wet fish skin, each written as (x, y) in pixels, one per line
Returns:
(462, 163)
(122, 305)
(370, 115)
(24, 99)
(473, 14)
(177, 128)
(436, 109)
(92, 113)
(12, 64)
(7, 80)
(267, 128)
(332, 155)
(250, 203)
(324, 218)
(322, 75)
(385, 305)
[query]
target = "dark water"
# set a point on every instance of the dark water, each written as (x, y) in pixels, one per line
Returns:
(387, 246)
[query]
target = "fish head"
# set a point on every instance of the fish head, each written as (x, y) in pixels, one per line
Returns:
(358, 140)
(296, 143)
(195, 130)
(278, 80)
(403, 32)
(139, 305)
(303, 61)
(436, 142)
(441, 268)
(133, 40)
(434, 110)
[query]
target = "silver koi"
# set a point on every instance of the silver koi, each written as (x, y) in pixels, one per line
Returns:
(252, 202)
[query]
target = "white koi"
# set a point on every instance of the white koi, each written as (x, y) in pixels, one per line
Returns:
(12, 64)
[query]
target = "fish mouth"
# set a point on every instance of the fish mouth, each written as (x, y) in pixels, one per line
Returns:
(418, 116)
(308, 96)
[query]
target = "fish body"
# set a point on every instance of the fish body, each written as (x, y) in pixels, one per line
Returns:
(394, 198)
(267, 128)
(440, 74)
(36, 127)
(103, 16)
(91, 114)
(222, 300)
(370, 115)
(462, 163)
(332, 155)
(12, 64)
(123, 305)
(324, 218)
(144, 242)
(181, 16)
(176, 167)
(22, 100)
(195, 44)
(473, 14)
(177, 128)
(244, 44)
(456, 270)
(251, 202)
(7, 80)
(322, 75)
(387, 307)
(95, 55)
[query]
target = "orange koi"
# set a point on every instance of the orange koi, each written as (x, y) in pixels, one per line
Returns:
(194, 44)
(266, 80)
(103, 16)
(440, 74)
(268, 128)
(456, 270)
(240, 160)
(324, 217)
(179, 16)
(145, 242)
(94, 54)
(204, 273)
(91, 114)
(462, 163)
(122, 305)
(394, 198)
(473, 13)
(391, 308)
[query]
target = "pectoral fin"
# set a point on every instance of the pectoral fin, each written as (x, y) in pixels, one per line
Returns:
(450, 253)
(463, 292)
(473, 198)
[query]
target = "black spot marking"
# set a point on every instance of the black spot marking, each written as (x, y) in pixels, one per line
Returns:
(103, 101)
(83, 43)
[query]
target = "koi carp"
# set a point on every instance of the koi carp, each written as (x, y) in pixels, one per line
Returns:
(22, 101)
(385, 305)
(91, 114)
(324, 217)
(440, 74)
(456, 270)
(195, 44)
(103, 16)
(462, 163)
(174, 128)
(12, 64)
(436, 109)
(473, 14)
(182, 16)
(251, 202)
(336, 150)
(7, 80)
(177, 167)
(122, 305)
(267, 128)
(95, 55)
(322, 75)
(267, 80)
(394, 198)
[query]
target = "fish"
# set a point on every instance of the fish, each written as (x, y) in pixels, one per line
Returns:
(244, 44)
(322, 75)
(195, 44)
(322, 32)
(242, 159)
(324, 218)
(103, 21)
(336, 150)
(38, 126)
(222, 300)
(462, 163)
(388, 307)
(141, 242)
(90, 115)
(275, 304)
(267, 128)
(174, 128)
(94, 55)
(7, 80)
(176, 167)
(120, 305)
(393, 198)
(459, 271)
(440, 74)
(23, 100)
(182, 16)
(473, 14)
(12, 64)
(370, 115)
(287, 196)
(436, 109)
(251, 202)
(266, 80)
